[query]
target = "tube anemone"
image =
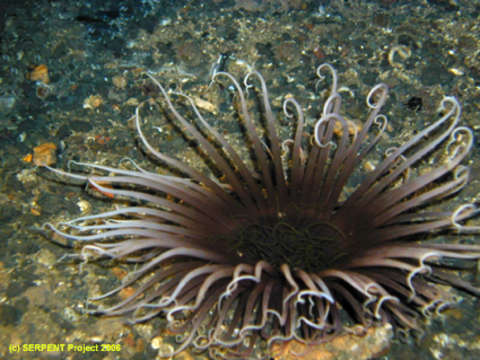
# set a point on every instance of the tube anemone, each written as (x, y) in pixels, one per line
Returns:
(280, 249)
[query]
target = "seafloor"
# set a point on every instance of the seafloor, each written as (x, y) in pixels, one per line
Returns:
(72, 72)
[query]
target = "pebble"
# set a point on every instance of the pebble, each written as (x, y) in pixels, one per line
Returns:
(84, 206)
(119, 82)
(92, 102)
(7, 103)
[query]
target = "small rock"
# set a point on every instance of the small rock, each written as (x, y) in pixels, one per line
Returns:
(119, 82)
(92, 102)
(7, 103)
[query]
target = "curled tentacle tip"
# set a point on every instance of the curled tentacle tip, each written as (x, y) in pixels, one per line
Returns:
(48, 226)
(449, 103)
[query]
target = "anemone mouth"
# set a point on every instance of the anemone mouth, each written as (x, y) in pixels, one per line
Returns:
(276, 252)
(310, 244)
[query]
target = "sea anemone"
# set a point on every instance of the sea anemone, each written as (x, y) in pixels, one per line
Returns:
(294, 243)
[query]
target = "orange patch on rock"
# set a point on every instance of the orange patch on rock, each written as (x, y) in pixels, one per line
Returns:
(352, 128)
(119, 272)
(39, 73)
(28, 158)
(44, 154)
(126, 292)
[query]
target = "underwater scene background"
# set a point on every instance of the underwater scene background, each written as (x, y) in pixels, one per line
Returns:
(72, 74)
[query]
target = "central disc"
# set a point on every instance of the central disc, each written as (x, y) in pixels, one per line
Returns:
(311, 247)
